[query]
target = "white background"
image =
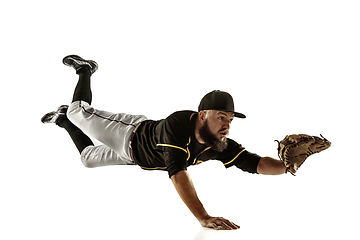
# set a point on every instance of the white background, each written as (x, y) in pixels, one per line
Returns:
(291, 66)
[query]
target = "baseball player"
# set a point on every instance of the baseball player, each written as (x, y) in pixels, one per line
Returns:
(172, 144)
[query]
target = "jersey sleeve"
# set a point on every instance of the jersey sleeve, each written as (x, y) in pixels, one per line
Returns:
(173, 142)
(236, 155)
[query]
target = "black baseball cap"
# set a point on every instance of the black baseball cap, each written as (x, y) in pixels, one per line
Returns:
(220, 101)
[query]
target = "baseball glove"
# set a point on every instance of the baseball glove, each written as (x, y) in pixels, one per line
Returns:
(295, 149)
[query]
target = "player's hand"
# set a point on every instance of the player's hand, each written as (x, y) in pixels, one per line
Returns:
(218, 223)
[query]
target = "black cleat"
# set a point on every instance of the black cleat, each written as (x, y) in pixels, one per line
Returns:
(52, 117)
(77, 63)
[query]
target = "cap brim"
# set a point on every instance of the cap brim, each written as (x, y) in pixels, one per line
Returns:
(239, 115)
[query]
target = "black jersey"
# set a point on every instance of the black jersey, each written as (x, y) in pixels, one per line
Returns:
(170, 144)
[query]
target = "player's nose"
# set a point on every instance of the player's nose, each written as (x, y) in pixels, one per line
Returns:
(227, 125)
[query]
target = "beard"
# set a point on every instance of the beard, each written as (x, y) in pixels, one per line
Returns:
(211, 140)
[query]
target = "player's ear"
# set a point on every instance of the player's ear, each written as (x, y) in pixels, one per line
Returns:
(202, 116)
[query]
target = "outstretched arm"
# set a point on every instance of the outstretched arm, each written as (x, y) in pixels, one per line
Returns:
(270, 166)
(186, 190)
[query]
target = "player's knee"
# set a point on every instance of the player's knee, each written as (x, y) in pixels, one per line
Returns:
(74, 113)
(87, 163)
(85, 158)
(70, 117)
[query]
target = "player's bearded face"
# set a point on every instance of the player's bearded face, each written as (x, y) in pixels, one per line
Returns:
(211, 140)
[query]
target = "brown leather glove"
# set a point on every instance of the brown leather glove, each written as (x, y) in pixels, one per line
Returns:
(296, 148)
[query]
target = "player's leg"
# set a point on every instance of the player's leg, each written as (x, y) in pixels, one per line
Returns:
(84, 68)
(83, 87)
(113, 130)
(59, 117)
(91, 156)
(102, 155)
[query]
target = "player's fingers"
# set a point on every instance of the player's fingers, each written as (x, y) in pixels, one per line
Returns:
(222, 225)
(228, 225)
(234, 226)
(214, 226)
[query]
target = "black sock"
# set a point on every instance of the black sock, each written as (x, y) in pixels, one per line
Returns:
(80, 139)
(83, 89)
